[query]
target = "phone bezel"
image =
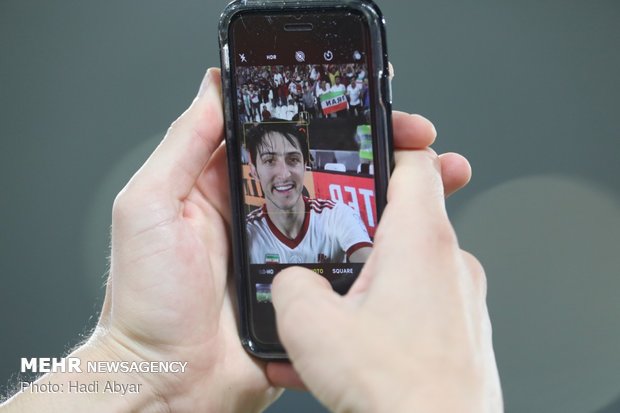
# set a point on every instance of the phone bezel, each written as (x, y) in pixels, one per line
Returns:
(381, 118)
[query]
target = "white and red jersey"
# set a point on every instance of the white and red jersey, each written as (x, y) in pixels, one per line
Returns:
(330, 233)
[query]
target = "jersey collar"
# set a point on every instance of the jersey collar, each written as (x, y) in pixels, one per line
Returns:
(291, 243)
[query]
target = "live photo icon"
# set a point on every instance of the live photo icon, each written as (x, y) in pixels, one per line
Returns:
(50, 365)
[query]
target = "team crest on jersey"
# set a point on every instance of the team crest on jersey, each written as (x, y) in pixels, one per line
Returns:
(295, 259)
(272, 259)
(321, 258)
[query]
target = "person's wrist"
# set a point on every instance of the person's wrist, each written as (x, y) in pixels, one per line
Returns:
(89, 389)
(146, 391)
(444, 392)
(391, 383)
(206, 387)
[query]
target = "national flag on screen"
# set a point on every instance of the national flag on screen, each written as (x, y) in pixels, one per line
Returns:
(333, 102)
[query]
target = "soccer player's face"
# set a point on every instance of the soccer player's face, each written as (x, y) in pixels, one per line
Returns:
(280, 170)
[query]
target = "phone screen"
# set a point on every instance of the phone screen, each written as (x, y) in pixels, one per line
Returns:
(303, 116)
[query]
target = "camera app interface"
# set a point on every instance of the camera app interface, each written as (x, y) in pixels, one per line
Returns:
(304, 120)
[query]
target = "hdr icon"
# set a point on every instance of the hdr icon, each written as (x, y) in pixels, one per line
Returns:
(50, 365)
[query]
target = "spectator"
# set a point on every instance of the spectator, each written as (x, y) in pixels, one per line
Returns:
(266, 115)
(354, 91)
(309, 101)
(291, 109)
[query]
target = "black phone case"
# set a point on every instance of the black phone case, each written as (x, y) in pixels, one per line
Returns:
(382, 123)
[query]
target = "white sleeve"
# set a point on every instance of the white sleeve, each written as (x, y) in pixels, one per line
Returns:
(349, 228)
(252, 245)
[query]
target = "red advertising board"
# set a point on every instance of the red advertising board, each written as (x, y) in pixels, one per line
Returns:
(355, 191)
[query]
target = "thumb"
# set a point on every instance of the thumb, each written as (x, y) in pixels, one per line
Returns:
(174, 166)
(309, 315)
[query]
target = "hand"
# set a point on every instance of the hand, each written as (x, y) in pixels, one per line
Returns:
(413, 334)
(411, 132)
(168, 296)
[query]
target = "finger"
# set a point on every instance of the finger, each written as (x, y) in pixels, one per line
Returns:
(455, 172)
(282, 374)
(416, 182)
(308, 316)
(174, 166)
(415, 223)
(213, 183)
(476, 271)
(412, 131)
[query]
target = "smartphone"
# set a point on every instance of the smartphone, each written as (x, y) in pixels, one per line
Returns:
(307, 107)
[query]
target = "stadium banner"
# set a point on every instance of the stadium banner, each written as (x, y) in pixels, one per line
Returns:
(355, 191)
(333, 102)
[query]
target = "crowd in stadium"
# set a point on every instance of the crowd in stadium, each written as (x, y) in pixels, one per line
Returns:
(284, 92)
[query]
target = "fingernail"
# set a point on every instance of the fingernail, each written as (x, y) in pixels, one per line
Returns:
(206, 82)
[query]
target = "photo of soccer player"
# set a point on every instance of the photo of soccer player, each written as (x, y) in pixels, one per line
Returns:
(288, 227)
(307, 162)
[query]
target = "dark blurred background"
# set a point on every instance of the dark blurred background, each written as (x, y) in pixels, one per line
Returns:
(528, 91)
